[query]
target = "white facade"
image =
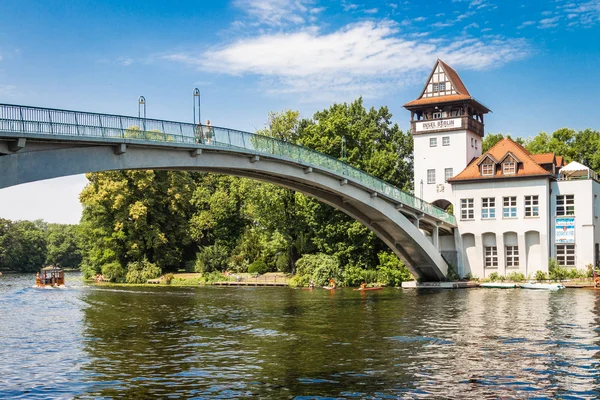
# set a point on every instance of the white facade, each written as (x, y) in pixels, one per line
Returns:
(503, 228)
(441, 152)
(523, 240)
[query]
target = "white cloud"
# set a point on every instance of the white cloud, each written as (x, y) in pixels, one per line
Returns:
(348, 6)
(364, 58)
(125, 61)
(526, 23)
(277, 12)
(548, 23)
(585, 13)
(371, 11)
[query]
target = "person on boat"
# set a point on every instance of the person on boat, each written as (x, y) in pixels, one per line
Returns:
(363, 286)
(332, 283)
(311, 284)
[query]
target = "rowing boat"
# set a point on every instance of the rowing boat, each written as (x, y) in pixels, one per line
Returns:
(498, 285)
(542, 286)
(368, 288)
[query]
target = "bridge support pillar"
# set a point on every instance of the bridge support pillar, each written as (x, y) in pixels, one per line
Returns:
(459, 253)
(435, 237)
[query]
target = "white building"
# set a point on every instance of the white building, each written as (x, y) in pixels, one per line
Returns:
(515, 210)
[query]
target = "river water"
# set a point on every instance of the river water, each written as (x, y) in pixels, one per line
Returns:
(211, 342)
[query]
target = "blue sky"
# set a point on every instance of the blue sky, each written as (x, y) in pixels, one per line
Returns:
(535, 64)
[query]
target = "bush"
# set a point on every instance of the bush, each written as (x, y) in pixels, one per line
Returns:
(113, 271)
(495, 277)
(212, 258)
(258, 267)
(212, 277)
(299, 281)
(318, 267)
(391, 270)
(516, 277)
(354, 276)
(556, 272)
(168, 278)
(141, 271)
(541, 276)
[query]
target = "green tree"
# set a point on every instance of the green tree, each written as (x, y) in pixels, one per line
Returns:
(63, 247)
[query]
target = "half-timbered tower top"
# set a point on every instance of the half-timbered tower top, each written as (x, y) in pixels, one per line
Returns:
(446, 104)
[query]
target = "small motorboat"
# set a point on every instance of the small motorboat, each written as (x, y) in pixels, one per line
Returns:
(498, 285)
(50, 276)
(542, 286)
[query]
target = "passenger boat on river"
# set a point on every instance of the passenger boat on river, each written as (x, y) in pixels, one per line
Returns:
(50, 276)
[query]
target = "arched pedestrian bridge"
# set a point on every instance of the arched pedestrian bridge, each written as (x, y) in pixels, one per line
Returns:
(40, 143)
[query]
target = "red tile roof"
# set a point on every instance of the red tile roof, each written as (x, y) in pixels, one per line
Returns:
(527, 166)
(438, 99)
(545, 158)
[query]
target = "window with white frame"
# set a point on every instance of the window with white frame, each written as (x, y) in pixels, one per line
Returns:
(509, 166)
(532, 208)
(435, 87)
(442, 86)
(565, 204)
(488, 208)
(491, 256)
(565, 255)
(432, 142)
(512, 256)
(509, 207)
(445, 140)
(431, 176)
(448, 173)
(437, 115)
(467, 211)
(487, 168)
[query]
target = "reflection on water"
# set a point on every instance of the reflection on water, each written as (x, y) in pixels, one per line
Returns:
(89, 342)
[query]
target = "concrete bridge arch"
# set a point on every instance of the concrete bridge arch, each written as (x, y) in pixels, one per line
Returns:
(27, 157)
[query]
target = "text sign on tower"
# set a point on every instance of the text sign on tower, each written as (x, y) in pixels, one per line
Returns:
(423, 126)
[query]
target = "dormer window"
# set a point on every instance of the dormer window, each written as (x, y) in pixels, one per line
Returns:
(487, 169)
(509, 166)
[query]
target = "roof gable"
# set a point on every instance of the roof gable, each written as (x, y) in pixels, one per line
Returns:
(504, 148)
(443, 81)
(510, 154)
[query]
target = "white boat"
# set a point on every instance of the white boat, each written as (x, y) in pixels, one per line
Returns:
(542, 286)
(499, 285)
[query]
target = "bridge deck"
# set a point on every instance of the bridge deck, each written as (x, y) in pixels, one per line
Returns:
(25, 121)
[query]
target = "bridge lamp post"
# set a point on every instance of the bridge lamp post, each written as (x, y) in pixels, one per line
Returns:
(197, 94)
(142, 105)
(344, 148)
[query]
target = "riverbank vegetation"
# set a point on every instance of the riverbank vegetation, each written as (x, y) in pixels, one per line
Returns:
(26, 246)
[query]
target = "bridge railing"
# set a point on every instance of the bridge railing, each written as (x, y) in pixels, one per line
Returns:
(33, 120)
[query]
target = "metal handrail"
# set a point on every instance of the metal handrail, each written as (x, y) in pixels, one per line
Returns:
(55, 122)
